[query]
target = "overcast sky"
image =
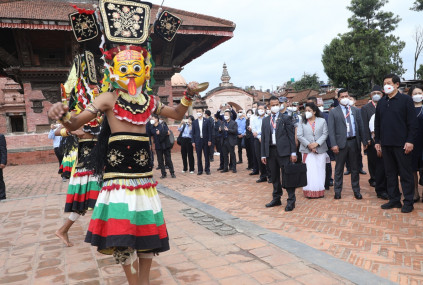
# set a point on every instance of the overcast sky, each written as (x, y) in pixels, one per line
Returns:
(276, 40)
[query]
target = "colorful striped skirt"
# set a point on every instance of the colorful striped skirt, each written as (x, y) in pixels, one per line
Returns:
(128, 213)
(68, 162)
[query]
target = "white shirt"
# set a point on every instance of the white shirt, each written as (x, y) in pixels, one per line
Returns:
(372, 124)
(200, 123)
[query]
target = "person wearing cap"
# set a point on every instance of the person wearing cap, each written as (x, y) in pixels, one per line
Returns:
(367, 111)
(346, 133)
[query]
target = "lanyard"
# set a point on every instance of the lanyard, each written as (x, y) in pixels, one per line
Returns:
(374, 105)
(348, 112)
(313, 126)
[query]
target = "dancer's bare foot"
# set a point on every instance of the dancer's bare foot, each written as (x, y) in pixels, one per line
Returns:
(64, 237)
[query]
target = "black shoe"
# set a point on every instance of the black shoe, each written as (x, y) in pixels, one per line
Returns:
(330, 183)
(254, 173)
(363, 172)
(269, 181)
(208, 172)
(358, 196)
(239, 162)
(211, 159)
(383, 196)
(391, 205)
(290, 207)
(200, 173)
(163, 176)
(158, 168)
(219, 169)
(234, 171)
(347, 172)
(326, 188)
(273, 203)
(224, 171)
(407, 209)
(261, 179)
(166, 167)
(372, 184)
(249, 168)
(337, 196)
(173, 175)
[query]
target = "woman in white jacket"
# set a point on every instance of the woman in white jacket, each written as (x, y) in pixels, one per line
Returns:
(312, 133)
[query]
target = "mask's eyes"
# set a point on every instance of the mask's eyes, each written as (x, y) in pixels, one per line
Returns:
(123, 69)
(137, 68)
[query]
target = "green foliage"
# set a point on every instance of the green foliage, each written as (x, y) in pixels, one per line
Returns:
(418, 5)
(307, 81)
(420, 72)
(360, 58)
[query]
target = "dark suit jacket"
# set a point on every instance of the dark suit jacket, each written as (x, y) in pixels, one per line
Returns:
(221, 116)
(3, 150)
(367, 111)
(161, 140)
(207, 131)
(338, 128)
(285, 136)
(232, 132)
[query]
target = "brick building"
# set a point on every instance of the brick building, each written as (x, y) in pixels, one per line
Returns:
(37, 48)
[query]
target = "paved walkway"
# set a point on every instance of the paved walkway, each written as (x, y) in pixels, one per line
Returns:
(386, 243)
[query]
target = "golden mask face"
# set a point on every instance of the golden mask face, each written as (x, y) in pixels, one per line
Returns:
(129, 66)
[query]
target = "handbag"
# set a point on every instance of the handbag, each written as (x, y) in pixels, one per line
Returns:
(294, 175)
(179, 139)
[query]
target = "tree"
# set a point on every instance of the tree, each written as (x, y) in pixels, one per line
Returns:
(418, 5)
(307, 81)
(420, 72)
(361, 57)
(418, 38)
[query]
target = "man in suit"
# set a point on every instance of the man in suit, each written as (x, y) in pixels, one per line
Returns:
(201, 140)
(3, 162)
(160, 133)
(229, 130)
(346, 133)
(277, 149)
(373, 162)
(207, 115)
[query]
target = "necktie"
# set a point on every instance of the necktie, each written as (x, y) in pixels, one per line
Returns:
(273, 123)
(350, 129)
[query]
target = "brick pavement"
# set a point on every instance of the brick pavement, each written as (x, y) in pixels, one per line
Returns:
(385, 242)
(31, 254)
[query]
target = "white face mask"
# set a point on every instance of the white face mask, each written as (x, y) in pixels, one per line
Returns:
(376, 98)
(152, 122)
(292, 109)
(160, 121)
(275, 109)
(308, 115)
(248, 115)
(240, 114)
(260, 112)
(321, 108)
(199, 115)
(254, 110)
(345, 101)
(418, 98)
(268, 112)
(226, 117)
(351, 102)
(388, 89)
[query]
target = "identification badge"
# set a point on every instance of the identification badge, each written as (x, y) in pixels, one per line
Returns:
(348, 128)
(274, 137)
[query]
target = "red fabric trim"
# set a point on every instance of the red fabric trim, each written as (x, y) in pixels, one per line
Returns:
(83, 11)
(314, 194)
(82, 197)
(130, 188)
(85, 173)
(139, 118)
(124, 227)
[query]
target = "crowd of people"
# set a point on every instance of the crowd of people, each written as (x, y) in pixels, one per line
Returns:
(388, 129)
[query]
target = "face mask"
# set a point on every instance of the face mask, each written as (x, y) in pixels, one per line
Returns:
(260, 112)
(160, 121)
(226, 117)
(199, 115)
(292, 109)
(351, 102)
(388, 89)
(239, 114)
(248, 116)
(275, 109)
(321, 108)
(152, 122)
(376, 98)
(345, 101)
(418, 98)
(281, 107)
(254, 110)
(268, 112)
(308, 115)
